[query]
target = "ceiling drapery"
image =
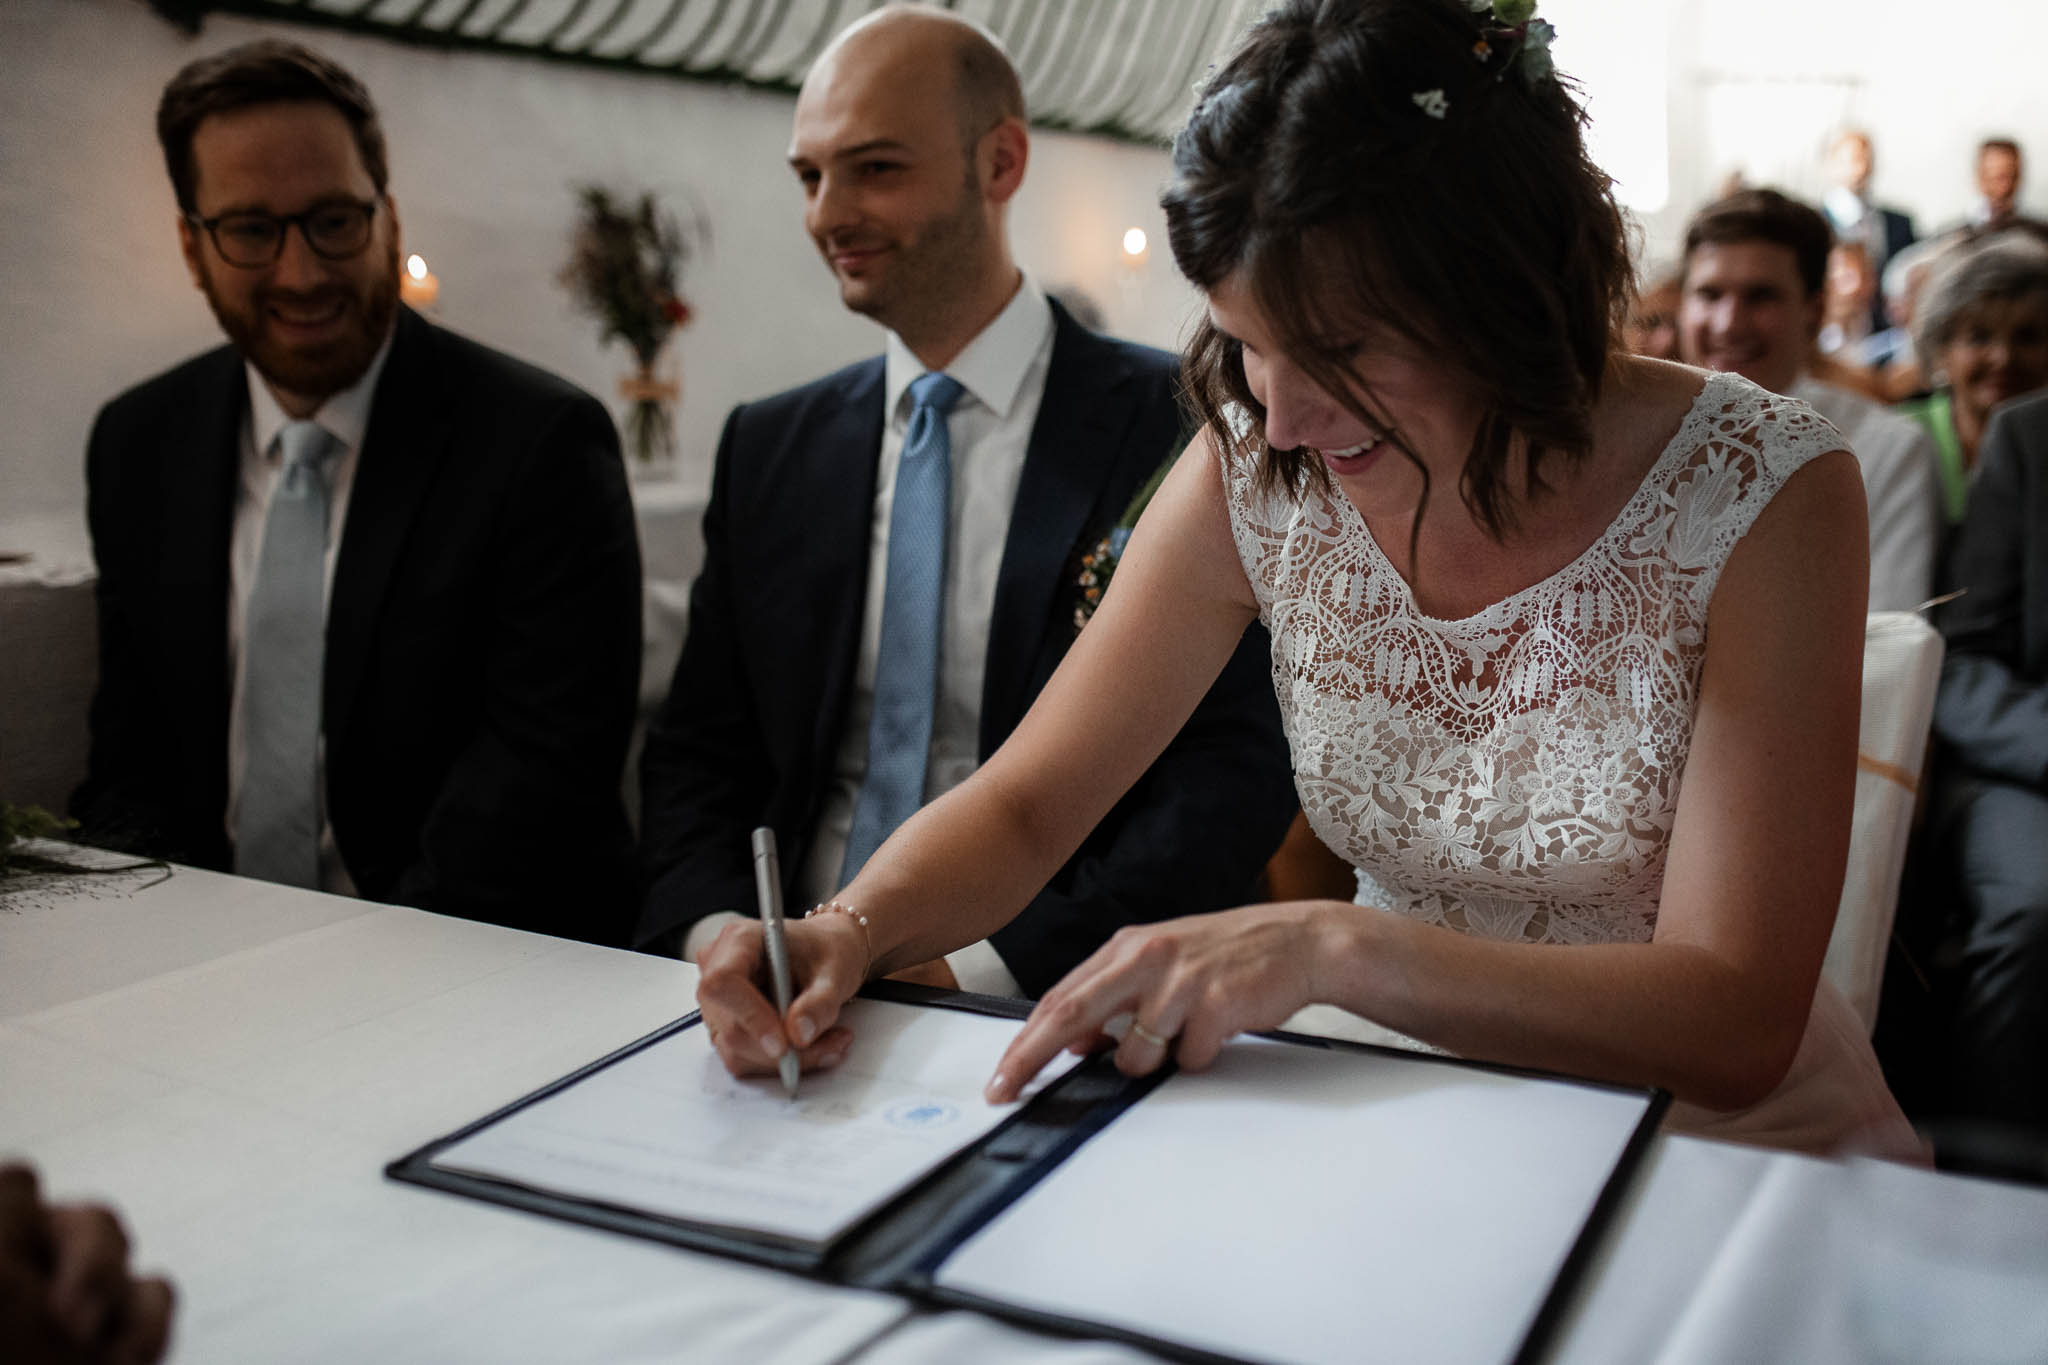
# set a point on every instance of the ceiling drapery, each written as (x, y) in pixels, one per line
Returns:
(1125, 68)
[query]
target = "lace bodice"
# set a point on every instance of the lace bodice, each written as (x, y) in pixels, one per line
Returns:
(1514, 774)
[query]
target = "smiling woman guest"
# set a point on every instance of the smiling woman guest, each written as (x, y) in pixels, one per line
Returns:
(1983, 330)
(1567, 641)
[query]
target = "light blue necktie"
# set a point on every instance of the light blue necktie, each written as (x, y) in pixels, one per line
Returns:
(277, 814)
(907, 667)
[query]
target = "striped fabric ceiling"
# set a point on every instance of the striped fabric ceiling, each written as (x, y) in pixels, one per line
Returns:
(1126, 68)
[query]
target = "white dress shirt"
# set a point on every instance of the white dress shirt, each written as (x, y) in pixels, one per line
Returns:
(1003, 372)
(344, 416)
(1846, 209)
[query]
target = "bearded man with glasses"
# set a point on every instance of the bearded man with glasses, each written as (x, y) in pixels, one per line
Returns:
(369, 591)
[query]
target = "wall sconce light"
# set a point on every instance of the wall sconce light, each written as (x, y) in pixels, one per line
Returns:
(417, 285)
(1135, 247)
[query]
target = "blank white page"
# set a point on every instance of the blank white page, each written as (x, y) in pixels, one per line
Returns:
(1298, 1205)
(669, 1131)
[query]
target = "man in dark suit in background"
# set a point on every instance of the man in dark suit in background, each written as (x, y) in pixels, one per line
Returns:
(1989, 810)
(369, 592)
(892, 552)
(1884, 232)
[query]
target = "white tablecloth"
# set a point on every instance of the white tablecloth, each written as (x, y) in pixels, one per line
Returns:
(232, 1064)
(235, 1083)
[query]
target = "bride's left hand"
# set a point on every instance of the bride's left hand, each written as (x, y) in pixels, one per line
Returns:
(1185, 985)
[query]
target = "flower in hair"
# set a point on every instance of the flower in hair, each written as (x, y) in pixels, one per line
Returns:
(1511, 27)
(1534, 58)
(1431, 102)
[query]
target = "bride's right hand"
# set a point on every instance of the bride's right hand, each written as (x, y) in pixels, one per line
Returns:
(828, 963)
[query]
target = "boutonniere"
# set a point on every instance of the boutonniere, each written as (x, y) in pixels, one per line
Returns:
(1098, 566)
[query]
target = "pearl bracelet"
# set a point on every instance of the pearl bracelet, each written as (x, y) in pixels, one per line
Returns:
(841, 908)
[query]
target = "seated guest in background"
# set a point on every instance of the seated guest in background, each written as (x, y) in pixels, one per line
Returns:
(1836, 359)
(1425, 512)
(1846, 302)
(1653, 318)
(1982, 334)
(1989, 810)
(1755, 264)
(894, 553)
(1889, 354)
(1882, 232)
(369, 602)
(66, 1294)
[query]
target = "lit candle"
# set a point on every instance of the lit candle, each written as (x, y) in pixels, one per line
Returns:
(418, 286)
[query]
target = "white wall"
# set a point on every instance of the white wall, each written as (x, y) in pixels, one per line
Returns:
(484, 150)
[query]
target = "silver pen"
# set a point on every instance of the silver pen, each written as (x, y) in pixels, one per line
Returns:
(768, 891)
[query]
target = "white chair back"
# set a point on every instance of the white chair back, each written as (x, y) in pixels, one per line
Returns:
(1901, 665)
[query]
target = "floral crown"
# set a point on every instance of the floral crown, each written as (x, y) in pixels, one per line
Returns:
(1511, 38)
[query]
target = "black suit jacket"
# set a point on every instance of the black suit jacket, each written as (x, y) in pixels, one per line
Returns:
(1991, 713)
(483, 635)
(1895, 233)
(749, 730)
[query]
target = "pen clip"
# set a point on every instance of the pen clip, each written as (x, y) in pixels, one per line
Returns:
(767, 875)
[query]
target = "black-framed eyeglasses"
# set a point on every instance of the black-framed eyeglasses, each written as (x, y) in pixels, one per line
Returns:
(336, 230)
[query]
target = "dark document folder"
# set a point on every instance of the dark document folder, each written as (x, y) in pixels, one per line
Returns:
(1304, 1201)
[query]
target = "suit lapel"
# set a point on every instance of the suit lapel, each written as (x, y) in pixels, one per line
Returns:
(839, 462)
(203, 468)
(411, 425)
(1071, 457)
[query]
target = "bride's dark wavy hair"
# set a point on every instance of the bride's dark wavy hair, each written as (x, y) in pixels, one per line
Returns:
(1310, 171)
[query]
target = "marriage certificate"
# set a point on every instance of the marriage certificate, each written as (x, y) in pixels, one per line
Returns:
(667, 1130)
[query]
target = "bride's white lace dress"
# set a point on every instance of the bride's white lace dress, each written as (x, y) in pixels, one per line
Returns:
(1514, 774)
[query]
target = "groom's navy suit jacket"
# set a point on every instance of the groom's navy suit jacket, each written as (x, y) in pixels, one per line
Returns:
(483, 635)
(751, 726)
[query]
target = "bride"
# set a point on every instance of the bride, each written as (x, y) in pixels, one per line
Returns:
(1567, 642)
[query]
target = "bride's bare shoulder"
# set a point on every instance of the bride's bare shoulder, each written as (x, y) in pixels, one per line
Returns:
(1653, 392)
(1642, 406)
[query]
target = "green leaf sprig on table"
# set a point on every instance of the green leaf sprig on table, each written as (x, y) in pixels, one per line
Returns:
(23, 827)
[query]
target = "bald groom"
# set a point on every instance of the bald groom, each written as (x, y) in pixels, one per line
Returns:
(892, 550)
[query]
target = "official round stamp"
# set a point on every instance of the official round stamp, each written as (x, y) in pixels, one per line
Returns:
(921, 1115)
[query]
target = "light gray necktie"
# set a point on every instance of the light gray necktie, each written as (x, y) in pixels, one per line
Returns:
(278, 815)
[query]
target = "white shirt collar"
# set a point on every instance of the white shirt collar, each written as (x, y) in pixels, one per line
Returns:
(1846, 206)
(992, 366)
(345, 415)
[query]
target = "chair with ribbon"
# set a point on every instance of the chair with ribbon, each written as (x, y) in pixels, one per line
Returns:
(1901, 666)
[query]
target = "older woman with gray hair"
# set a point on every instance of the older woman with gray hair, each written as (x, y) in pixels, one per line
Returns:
(1982, 333)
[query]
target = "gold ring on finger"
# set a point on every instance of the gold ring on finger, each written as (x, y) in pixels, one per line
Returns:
(1148, 1035)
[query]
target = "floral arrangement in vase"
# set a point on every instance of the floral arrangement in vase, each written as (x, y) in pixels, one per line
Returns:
(624, 269)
